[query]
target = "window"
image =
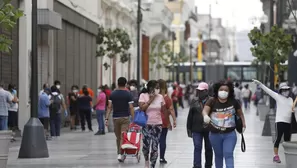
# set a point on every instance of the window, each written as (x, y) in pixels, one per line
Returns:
(234, 73)
(249, 73)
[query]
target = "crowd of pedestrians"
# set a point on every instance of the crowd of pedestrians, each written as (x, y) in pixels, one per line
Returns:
(212, 117)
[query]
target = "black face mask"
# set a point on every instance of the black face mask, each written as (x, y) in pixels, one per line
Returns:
(202, 95)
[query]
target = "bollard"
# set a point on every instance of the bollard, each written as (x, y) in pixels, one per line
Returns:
(263, 111)
(290, 149)
(5, 137)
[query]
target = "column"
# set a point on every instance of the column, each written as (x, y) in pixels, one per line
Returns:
(24, 62)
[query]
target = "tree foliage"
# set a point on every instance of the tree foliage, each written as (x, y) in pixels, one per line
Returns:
(8, 19)
(162, 51)
(113, 42)
(276, 45)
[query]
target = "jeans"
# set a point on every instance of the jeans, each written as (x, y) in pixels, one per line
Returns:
(3, 123)
(151, 138)
(246, 102)
(100, 119)
(223, 145)
(55, 124)
(163, 138)
(197, 140)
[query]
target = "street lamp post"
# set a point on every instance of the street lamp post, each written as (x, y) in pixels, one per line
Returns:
(139, 20)
(33, 142)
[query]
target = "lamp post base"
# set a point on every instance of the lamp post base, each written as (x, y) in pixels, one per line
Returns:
(33, 142)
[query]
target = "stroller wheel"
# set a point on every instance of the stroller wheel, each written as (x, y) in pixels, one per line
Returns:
(138, 158)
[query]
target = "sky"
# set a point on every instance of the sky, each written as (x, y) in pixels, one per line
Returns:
(233, 12)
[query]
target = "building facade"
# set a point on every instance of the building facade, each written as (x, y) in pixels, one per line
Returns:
(66, 47)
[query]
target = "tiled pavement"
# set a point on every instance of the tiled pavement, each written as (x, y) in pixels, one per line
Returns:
(84, 150)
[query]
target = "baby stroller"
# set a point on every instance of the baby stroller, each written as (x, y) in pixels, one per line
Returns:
(131, 142)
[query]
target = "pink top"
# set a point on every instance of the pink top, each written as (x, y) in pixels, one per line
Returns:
(154, 110)
(102, 103)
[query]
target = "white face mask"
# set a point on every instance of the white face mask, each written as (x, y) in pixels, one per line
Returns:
(157, 91)
(75, 91)
(223, 94)
(99, 90)
(58, 86)
(286, 93)
(132, 88)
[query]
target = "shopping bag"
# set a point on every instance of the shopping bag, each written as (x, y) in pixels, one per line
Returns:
(140, 118)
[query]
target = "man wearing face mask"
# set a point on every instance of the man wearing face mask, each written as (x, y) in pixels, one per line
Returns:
(73, 106)
(196, 129)
(134, 92)
(283, 114)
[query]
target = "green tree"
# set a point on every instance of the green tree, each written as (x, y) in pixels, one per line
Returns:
(113, 42)
(276, 45)
(159, 51)
(8, 19)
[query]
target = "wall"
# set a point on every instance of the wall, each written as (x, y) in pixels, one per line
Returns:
(75, 47)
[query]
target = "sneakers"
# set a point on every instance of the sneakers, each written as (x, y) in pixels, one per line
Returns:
(276, 159)
(120, 158)
(163, 161)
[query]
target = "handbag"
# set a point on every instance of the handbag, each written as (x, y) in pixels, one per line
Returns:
(140, 118)
(239, 129)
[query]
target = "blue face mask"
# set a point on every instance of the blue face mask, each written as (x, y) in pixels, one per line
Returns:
(14, 92)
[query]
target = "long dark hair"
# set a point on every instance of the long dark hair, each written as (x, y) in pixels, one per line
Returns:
(229, 84)
(163, 86)
(151, 85)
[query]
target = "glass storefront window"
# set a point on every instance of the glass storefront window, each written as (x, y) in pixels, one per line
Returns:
(234, 73)
(249, 73)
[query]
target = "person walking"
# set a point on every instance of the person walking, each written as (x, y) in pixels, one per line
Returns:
(85, 109)
(73, 106)
(134, 92)
(284, 111)
(151, 101)
(13, 109)
(246, 95)
(121, 102)
(166, 124)
(220, 113)
(196, 128)
(174, 97)
(100, 110)
(55, 112)
(237, 93)
(5, 99)
(44, 103)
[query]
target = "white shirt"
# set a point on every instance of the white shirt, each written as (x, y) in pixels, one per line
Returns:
(237, 93)
(246, 93)
(283, 104)
(169, 91)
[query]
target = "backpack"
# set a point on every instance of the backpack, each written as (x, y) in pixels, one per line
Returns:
(55, 105)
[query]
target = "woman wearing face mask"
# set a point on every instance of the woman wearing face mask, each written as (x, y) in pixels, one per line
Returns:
(151, 102)
(73, 107)
(220, 112)
(100, 110)
(283, 118)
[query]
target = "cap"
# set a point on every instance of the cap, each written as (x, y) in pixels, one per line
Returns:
(202, 86)
(284, 86)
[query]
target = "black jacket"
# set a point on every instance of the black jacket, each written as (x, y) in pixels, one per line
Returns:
(195, 121)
